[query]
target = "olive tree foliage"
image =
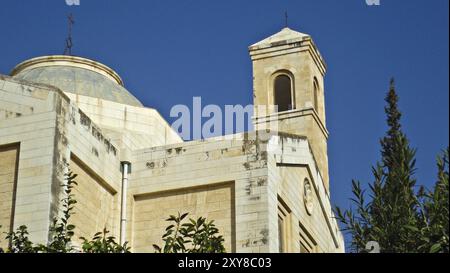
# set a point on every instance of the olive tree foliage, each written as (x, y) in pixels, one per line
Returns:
(193, 236)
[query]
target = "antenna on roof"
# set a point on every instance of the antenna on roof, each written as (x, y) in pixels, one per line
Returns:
(69, 43)
(286, 18)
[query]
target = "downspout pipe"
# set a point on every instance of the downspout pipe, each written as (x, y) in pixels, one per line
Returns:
(126, 169)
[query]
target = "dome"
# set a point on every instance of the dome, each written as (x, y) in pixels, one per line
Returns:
(76, 75)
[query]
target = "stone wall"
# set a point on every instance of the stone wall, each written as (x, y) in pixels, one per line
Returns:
(29, 118)
(131, 127)
(290, 164)
(49, 128)
(8, 179)
(303, 63)
(239, 181)
(96, 201)
(215, 202)
(202, 165)
(266, 169)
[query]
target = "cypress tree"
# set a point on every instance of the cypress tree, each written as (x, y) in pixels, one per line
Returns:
(390, 216)
(395, 203)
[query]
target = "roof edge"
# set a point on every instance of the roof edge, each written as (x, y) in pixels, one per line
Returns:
(65, 60)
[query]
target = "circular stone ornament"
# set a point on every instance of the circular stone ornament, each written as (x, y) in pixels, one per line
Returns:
(308, 196)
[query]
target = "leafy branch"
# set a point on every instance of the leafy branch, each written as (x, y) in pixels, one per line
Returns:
(194, 236)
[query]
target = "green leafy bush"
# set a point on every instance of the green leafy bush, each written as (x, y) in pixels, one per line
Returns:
(101, 243)
(62, 232)
(20, 243)
(195, 236)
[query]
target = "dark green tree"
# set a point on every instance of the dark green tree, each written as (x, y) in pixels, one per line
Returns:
(434, 231)
(393, 215)
(395, 205)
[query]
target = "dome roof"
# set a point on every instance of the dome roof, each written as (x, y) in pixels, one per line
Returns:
(76, 75)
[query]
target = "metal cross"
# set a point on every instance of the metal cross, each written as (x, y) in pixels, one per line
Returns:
(286, 18)
(69, 43)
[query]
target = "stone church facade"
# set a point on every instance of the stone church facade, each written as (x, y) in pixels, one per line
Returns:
(267, 190)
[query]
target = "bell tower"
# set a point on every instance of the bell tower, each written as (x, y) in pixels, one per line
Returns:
(288, 83)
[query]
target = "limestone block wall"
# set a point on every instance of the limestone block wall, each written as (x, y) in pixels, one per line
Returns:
(51, 130)
(238, 180)
(130, 126)
(290, 165)
(86, 150)
(302, 61)
(8, 181)
(191, 176)
(264, 170)
(96, 202)
(21, 98)
(306, 123)
(212, 201)
(29, 119)
(302, 123)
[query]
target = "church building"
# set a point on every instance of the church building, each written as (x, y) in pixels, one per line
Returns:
(267, 190)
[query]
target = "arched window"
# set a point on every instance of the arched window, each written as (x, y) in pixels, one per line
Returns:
(283, 93)
(316, 95)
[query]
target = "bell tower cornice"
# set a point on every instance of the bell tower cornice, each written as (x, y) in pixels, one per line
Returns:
(287, 41)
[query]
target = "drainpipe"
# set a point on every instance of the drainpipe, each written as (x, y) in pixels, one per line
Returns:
(126, 169)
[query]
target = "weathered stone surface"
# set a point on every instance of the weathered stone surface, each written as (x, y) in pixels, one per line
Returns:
(8, 179)
(251, 184)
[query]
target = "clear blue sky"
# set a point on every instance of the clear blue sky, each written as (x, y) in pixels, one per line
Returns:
(169, 51)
